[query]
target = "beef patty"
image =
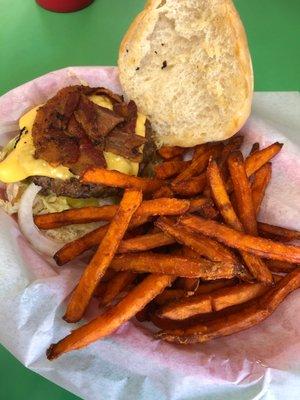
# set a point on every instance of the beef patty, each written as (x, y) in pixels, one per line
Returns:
(73, 188)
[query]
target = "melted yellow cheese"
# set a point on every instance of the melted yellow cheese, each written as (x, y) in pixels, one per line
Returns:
(20, 162)
(101, 101)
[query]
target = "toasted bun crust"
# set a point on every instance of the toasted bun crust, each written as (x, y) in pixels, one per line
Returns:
(187, 66)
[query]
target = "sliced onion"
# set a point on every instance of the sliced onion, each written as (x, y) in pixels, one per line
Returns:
(9, 128)
(25, 217)
(12, 191)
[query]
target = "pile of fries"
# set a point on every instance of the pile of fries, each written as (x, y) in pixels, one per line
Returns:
(183, 250)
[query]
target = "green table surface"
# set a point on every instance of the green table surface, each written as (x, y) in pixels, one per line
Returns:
(34, 41)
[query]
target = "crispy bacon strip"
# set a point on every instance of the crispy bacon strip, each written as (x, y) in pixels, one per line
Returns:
(126, 144)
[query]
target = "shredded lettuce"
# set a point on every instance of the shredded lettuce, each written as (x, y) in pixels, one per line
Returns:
(50, 204)
(68, 233)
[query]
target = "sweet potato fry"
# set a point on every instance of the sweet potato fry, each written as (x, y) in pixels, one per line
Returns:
(221, 197)
(260, 182)
(239, 320)
(106, 177)
(100, 289)
(175, 265)
(200, 149)
(170, 168)
(233, 144)
(281, 266)
(198, 203)
(208, 287)
(145, 242)
(109, 274)
(162, 206)
(261, 247)
(186, 307)
(204, 207)
(164, 191)
(188, 252)
(75, 216)
(167, 152)
(93, 273)
(208, 248)
(256, 160)
(171, 294)
(176, 158)
(167, 324)
(143, 315)
(108, 322)
(190, 187)
(188, 284)
(78, 246)
(257, 268)
(215, 301)
(199, 163)
(115, 286)
(277, 232)
(242, 192)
